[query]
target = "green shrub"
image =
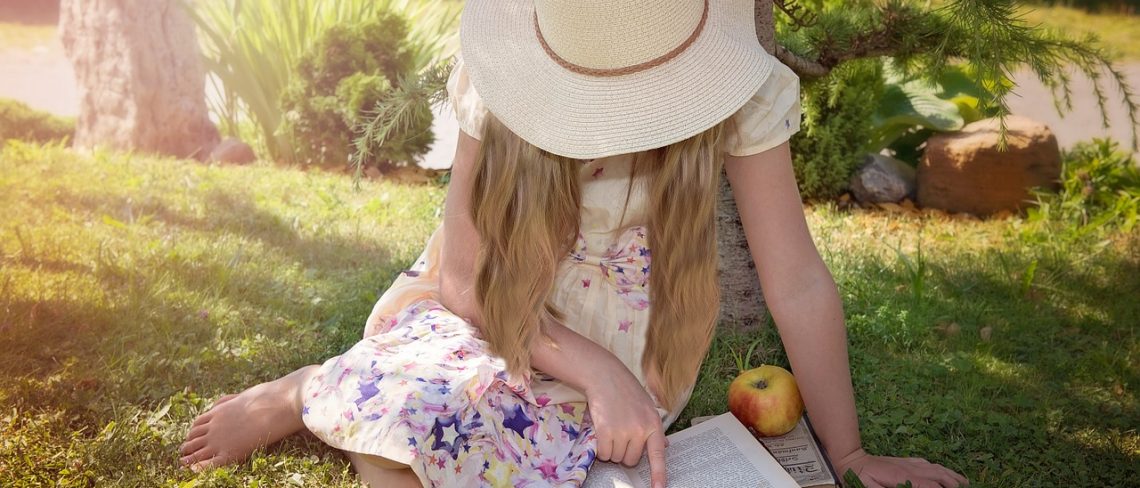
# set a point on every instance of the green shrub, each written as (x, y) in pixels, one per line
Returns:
(837, 110)
(346, 73)
(19, 121)
(251, 49)
(912, 109)
(1100, 189)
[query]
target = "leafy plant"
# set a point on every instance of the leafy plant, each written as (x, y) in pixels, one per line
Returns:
(19, 121)
(912, 109)
(925, 43)
(1100, 189)
(348, 71)
(252, 47)
(835, 129)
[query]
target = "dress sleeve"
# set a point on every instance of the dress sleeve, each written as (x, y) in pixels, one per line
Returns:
(469, 109)
(769, 118)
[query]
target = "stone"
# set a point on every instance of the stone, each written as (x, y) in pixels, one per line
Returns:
(882, 179)
(139, 76)
(233, 151)
(965, 171)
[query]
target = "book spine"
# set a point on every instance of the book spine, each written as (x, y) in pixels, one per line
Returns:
(822, 451)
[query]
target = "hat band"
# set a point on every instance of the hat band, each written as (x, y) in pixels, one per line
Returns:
(627, 69)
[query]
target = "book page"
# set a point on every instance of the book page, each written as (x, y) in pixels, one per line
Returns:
(719, 453)
(607, 475)
(799, 454)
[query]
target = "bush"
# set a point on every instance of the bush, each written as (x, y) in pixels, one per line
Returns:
(346, 73)
(1100, 189)
(19, 121)
(837, 112)
(251, 49)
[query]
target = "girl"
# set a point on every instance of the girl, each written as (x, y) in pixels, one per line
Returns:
(531, 338)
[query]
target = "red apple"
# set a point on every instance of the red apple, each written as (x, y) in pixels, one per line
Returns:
(766, 399)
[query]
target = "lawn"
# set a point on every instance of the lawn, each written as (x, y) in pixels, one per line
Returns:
(135, 290)
(1119, 33)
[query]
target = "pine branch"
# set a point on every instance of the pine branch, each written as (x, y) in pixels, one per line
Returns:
(988, 34)
(397, 113)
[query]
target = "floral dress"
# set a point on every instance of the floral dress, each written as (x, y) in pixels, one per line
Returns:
(421, 387)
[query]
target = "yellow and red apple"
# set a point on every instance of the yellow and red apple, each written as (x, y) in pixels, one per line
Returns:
(766, 399)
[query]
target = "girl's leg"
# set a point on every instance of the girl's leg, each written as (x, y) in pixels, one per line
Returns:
(239, 424)
(379, 472)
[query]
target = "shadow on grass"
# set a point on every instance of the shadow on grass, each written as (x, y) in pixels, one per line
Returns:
(247, 299)
(1044, 401)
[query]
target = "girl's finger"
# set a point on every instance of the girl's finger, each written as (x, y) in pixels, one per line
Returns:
(620, 447)
(962, 481)
(605, 447)
(871, 483)
(656, 446)
(632, 454)
(948, 477)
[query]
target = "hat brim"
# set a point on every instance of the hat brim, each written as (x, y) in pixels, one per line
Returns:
(581, 116)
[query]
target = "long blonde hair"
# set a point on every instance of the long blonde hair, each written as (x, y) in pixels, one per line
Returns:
(526, 207)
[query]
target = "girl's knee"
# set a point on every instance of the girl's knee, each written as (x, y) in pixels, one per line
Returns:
(377, 471)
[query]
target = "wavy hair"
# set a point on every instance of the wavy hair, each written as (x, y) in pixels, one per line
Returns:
(526, 205)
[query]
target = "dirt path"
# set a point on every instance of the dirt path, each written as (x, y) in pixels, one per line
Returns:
(1084, 121)
(41, 76)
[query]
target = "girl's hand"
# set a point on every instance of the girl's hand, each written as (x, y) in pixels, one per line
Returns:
(889, 472)
(626, 423)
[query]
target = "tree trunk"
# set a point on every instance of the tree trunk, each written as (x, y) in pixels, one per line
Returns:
(742, 305)
(140, 78)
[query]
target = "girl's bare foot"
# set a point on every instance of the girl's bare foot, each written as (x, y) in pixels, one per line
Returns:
(239, 424)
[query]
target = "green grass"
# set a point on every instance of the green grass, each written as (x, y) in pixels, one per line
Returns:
(1119, 33)
(134, 290)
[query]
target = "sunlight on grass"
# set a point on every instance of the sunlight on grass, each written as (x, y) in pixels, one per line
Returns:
(1118, 33)
(135, 290)
(25, 36)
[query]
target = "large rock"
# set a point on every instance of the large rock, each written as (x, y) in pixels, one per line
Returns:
(965, 171)
(882, 179)
(233, 151)
(140, 79)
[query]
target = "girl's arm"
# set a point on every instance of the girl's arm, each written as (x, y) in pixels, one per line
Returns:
(804, 301)
(624, 417)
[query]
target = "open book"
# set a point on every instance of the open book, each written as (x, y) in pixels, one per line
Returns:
(717, 453)
(799, 453)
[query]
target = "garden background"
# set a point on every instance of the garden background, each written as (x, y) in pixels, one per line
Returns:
(135, 288)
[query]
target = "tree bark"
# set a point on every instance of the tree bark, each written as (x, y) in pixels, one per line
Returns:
(140, 78)
(742, 304)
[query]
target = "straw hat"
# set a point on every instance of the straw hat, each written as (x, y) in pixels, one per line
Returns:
(594, 78)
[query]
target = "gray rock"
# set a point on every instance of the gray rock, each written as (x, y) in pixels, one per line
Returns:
(233, 151)
(882, 179)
